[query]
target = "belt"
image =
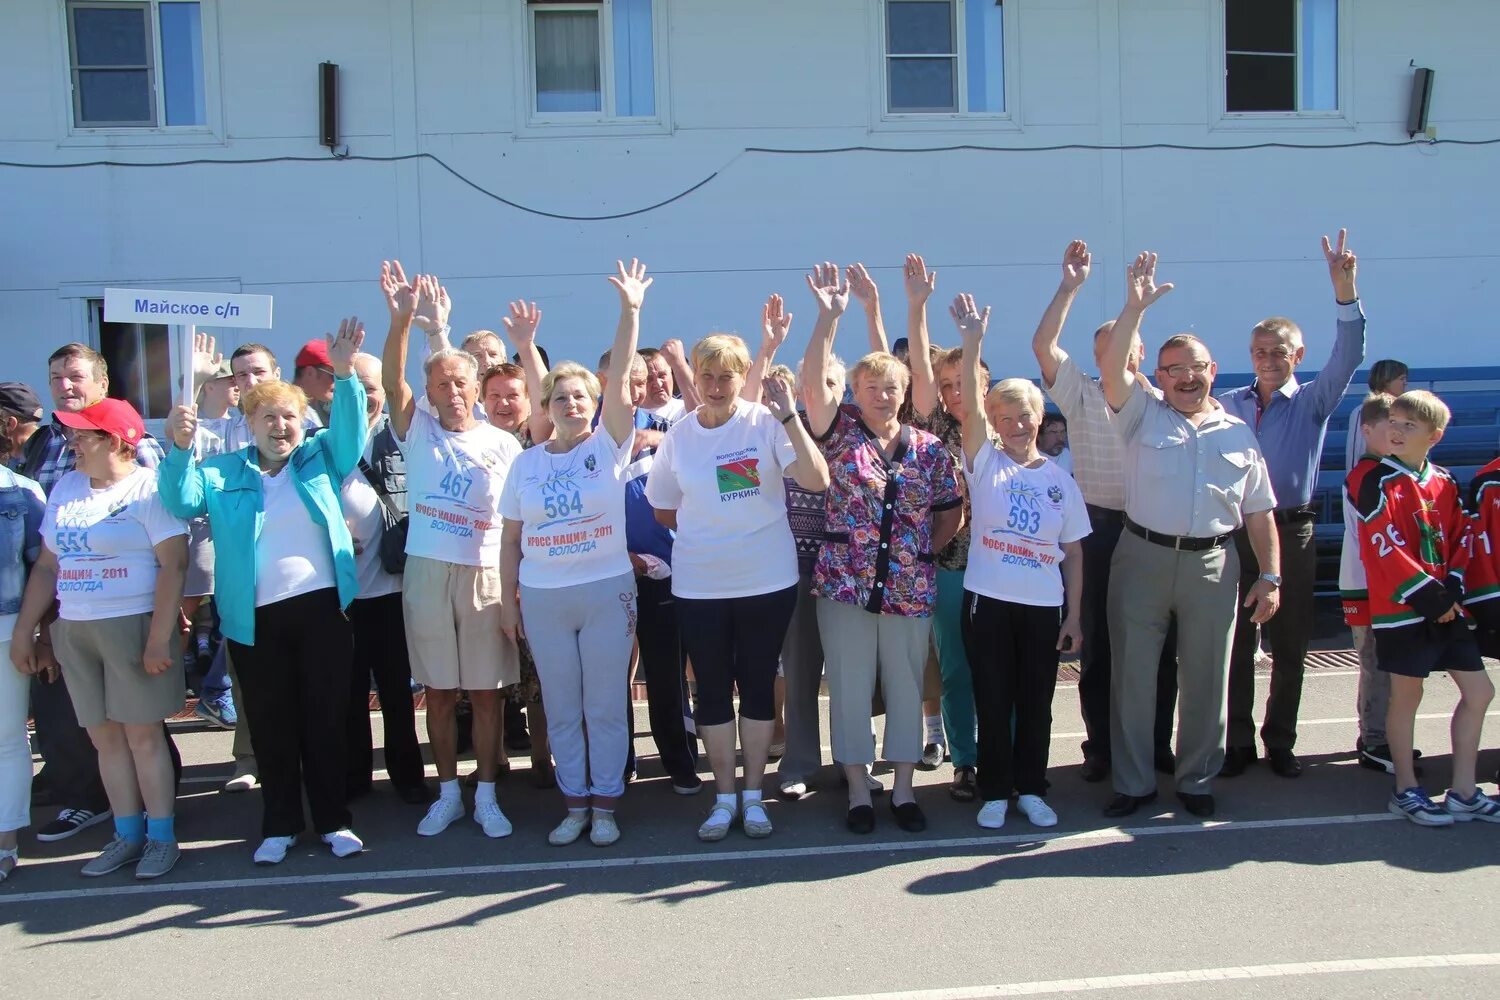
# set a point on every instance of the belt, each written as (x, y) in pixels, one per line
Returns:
(1182, 543)
(1295, 515)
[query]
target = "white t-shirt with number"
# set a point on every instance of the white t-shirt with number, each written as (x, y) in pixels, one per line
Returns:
(453, 484)
(572, 510)
(105, 542)
(1021, 517)
(725, 483)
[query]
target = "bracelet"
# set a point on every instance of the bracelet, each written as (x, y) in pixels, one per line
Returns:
(789, 418)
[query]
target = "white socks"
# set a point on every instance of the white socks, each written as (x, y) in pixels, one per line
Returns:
(934, 724)
(483, 793)
(450, 789)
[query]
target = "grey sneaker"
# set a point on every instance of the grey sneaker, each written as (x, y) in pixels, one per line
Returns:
(117, 855)
(158, 858)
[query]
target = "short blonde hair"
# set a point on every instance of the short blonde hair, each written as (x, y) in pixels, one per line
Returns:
(1017, 390)
(782, 372)
(569, 369)
(955, 356)
(273, 393)
(1422, 405)
(722, 349)
(880, 364)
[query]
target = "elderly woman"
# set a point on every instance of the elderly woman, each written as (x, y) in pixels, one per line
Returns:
(564, 549)
(284, 576)
(455, 469)
(892, 503)
(1025, 566)
(22, 505)
(717, 479)
(115, 559)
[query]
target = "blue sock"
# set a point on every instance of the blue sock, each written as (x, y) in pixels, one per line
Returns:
(161, 829)
(131, 828)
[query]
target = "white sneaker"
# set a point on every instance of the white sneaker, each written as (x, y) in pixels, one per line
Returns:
(793, 788)
(1037, 810)
(992, 814)
(344, 842)
(272, 850)
(570, 829)
(604, 830)
(440, 815)
(491, 819)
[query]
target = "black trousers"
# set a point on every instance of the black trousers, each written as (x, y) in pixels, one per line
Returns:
(380, 650)
(735, 643)
(1012, 650)
(1288, 631)
(1094, 667)
(295, 683)
(665, 666)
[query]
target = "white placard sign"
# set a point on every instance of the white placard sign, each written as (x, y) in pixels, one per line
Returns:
(148, 305)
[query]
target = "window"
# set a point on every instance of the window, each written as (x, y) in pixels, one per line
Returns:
(1281, 56)
(592, 61)
(944, 56)
(136, 65)
(139, 356)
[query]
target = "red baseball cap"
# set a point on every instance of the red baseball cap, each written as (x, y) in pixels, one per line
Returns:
(314, 354)
(112, 416)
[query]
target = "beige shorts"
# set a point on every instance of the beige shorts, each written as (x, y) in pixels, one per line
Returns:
(453, 635)
(102, 664)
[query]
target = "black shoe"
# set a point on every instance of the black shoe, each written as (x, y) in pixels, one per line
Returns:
(1166, 762)
(1124, 805)
(861, 819)
(909, 817)
(1201, 806)
(1284, 763)
(415, 795)
(1236, 759)
(1378, 758)
(1094, 769)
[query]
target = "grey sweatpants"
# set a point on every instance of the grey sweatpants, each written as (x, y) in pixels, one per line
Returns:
(1374, 689)
(1148, 584)
(580, 638)
(802, 670)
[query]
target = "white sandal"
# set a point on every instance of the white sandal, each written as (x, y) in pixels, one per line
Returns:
(710, 830)
(13, 855)
(755, 826)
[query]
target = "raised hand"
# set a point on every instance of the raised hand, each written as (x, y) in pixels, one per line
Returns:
(862, 286)
(182, 426)
(1076, 263)
(776, 393)
(971, 323)
(400, 296)
(342, 346)
(522, 322)
(1141, 289)
(432, 304)
(674, 352)
(631, 283)
(1343, 267)
(920, 282)
(206, 360)
(775, 324)
(833, 297)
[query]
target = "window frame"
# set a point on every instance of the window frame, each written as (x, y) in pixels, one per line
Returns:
(138, 396)
(1220, 117)
(531, 122)
(156, 134)
(885, 120)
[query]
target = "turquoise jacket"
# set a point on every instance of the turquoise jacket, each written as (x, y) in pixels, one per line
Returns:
(227, 489)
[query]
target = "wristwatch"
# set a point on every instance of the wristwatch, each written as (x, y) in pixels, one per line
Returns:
(1271, 578)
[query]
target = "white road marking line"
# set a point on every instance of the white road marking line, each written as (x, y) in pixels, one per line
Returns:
(1061, 840)
(1097, 983)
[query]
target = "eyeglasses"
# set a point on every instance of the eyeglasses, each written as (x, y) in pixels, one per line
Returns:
(1182, 371)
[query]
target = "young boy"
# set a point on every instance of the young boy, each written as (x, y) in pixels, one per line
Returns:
(1374, 692)
(1413, 541)
(1482, 583)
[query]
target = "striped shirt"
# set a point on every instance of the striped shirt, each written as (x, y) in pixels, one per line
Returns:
(1098, 454)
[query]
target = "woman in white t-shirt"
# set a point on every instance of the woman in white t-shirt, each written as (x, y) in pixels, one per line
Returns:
(115, 561)
(568, 577)
(1025, 567)
(716, 479)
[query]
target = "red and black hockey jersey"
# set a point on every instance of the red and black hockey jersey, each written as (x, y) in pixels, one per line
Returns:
(1482, 581)
(1413, 541)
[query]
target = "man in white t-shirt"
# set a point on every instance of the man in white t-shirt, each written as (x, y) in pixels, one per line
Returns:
(455, 469)
(664, 367)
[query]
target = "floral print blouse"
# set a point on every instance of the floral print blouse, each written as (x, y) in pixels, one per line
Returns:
(940, 422)
(877, 552)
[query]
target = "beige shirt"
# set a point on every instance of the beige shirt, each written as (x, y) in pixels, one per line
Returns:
(1185, 480)
(1097, 451)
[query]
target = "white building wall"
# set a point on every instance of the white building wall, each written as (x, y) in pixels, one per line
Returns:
(1237, 231)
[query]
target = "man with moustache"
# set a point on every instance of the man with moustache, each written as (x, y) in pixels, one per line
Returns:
(1193, 476)
(1289, 419)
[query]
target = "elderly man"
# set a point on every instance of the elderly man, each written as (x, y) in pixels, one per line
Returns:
(1193, 476)
(663, 368)
(1289, 419)
(313, 374)
(1099, 469)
